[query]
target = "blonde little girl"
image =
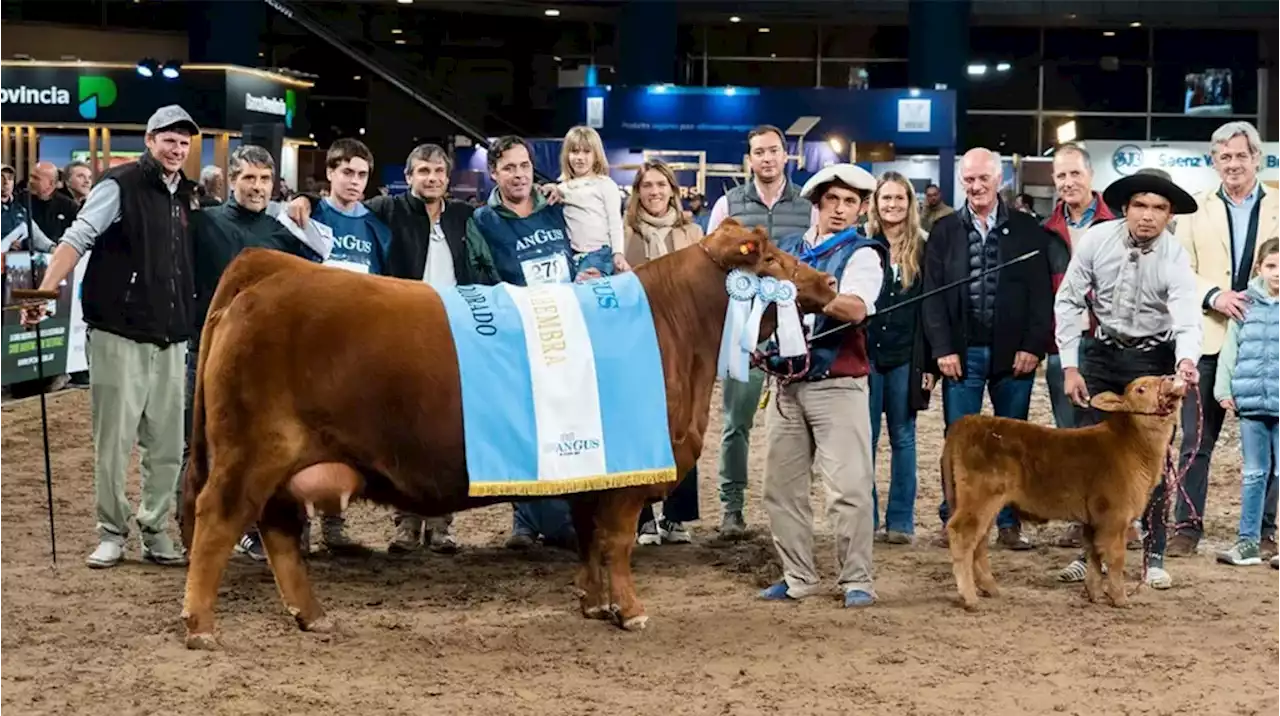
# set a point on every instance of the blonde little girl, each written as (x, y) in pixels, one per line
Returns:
(592, 203)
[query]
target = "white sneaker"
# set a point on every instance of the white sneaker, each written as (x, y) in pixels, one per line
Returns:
(674, 532)
(108, 554)
(1157, 578)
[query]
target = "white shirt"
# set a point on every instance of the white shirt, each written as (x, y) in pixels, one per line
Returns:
(863, 274)
(438, 273)
(1137, 294)
(592, 213)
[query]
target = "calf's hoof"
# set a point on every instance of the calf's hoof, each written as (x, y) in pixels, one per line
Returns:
(1121, 602)
(605, 612)
(202, 642)
(636, 623)
(992, 591)
(321, 625)
(970, 604)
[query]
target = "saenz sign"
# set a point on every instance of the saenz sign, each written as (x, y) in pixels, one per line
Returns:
(1189, 163)
(92, 93)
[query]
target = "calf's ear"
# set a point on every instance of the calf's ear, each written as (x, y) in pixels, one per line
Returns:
(1108, 403)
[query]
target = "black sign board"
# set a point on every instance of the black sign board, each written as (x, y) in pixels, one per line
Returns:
(225, 98)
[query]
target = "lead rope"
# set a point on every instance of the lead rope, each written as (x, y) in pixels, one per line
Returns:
(1174, 478)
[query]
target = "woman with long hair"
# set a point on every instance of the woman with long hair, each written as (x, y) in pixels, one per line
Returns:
(902, 376)
(656, 225)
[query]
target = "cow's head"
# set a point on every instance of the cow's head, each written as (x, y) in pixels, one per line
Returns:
(1150, 395)
(733, 245)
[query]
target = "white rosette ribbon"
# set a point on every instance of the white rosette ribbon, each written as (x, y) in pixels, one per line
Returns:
(790, 333)
(742, 288)
(766, 294)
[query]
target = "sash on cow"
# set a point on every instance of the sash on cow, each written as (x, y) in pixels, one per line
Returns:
(562, 387)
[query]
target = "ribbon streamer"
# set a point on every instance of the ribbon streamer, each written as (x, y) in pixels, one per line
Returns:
(766, 294)
(734, 363)
(790, 334)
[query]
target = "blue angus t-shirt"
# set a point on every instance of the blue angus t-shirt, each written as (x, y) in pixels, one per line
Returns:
(359, 238)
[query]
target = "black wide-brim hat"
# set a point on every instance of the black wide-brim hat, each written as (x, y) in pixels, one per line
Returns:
(1118, 194)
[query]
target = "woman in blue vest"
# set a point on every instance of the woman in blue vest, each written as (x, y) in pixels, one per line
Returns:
(1247, 383)
(902, 375)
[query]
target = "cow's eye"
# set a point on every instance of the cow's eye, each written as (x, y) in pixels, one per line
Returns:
(771, 259)
(1141, 391)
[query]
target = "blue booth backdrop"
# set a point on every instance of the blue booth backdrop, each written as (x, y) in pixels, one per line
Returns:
(716, 120)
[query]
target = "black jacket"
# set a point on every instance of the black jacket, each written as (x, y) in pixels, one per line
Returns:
(898, 337)
(219, 233)
(138, 283)
(1024, 291)
(406, 216)
(54, 215)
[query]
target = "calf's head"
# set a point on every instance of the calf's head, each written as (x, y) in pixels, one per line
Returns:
(1150, 395)
(733, 245)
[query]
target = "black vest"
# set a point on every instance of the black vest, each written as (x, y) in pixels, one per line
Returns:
(139, 284)
(984, 254)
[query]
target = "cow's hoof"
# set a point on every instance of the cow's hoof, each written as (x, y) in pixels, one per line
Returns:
(970, 605)
(202, 642)
(599, 612)
(992, 591)
(636, 623)
(322, 625)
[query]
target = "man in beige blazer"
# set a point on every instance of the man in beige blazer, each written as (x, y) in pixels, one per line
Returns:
(1222, 238)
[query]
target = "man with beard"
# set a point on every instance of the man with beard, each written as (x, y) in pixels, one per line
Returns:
(220, 233)
(428, 244)
(1138, 281)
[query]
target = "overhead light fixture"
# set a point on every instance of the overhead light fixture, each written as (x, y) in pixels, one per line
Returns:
(1067, 131)
(556, 58)
(774, 55)
(356, 78)
(730, 91)
(1109, 33)
(735, 18)
(362, 131)
(171, 69)
(405, 2)
(1003, 67)
(312, 135)
(763, 29)
(399, 42)
(1135, 23)
(262, 54)
(837, 146)
(914, 91)
(397, 31)
(551, 12)
(147, 67)
(977, 70)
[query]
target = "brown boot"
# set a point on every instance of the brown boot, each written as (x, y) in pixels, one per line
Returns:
(1181, 545)
(1267, 548)
(408, 537)
(1011, 538)
(1073, 537)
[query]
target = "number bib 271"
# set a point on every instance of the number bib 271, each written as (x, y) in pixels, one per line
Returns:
(546, 269)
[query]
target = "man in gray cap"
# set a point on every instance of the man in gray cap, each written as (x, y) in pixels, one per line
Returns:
(137, 299)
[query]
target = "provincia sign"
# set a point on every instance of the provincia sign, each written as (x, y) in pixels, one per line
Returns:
(1190, 164)
(92, 92)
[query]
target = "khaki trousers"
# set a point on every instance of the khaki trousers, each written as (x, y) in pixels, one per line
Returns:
(136, 391)
(824, 427)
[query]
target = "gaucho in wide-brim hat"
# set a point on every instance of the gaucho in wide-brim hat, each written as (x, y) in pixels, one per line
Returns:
(1120, 192)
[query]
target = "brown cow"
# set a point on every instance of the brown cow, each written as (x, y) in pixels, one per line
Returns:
(1100, 476)
(315, 384)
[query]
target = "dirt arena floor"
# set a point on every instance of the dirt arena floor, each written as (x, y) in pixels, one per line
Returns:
(489, 632)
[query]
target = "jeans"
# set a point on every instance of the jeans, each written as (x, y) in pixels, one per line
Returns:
(1260, 443)
(601, 260)
(1110, 368)
(1196, 483)
(1010, 398)
(740, 403)
(193, 359)
(550, 518)
(891, 397)
(681, 505)
(1064, 412)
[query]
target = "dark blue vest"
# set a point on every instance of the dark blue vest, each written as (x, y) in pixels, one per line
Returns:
(529, 246)
(843, 353)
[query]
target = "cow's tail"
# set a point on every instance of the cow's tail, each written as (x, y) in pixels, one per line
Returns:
(244, 272)
(949, 476)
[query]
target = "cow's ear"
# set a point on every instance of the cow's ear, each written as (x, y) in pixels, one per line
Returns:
(747, 248)
(1109, 403)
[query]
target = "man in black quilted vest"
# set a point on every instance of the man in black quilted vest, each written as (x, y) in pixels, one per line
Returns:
(138, 299)
(991, 333)
(772, 202)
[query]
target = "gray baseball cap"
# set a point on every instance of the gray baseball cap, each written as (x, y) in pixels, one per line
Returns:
(171, 117)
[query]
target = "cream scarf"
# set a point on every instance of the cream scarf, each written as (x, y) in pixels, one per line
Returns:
(656, 232)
